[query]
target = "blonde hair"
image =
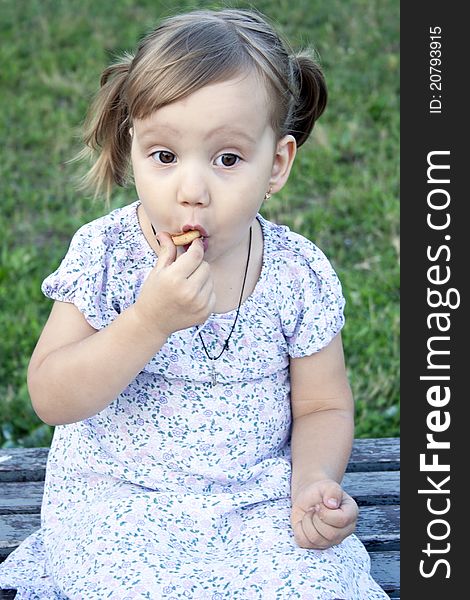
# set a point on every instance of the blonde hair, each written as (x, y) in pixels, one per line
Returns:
(183, 54)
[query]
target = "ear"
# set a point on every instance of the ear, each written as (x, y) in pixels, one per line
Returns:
(286, 150)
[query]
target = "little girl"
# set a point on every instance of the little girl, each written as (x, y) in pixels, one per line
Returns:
(203, 415)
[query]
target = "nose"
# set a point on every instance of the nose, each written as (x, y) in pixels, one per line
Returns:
(192, 187)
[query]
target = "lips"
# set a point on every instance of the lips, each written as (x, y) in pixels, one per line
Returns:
(196, 227)
(189, 227)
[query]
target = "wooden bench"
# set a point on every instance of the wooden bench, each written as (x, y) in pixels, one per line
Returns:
(372, 479)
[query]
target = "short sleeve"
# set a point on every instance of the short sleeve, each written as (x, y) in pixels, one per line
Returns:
(80, 278)
(312, 302)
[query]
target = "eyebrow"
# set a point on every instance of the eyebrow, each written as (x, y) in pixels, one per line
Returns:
(231, 131)
(151, 132)
(224, 130)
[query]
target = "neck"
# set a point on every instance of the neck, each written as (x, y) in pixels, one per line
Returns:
(227, 289)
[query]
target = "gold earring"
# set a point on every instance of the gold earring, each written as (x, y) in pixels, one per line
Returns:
(267, 196)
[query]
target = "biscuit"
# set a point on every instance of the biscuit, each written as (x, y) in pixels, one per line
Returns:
(185, 238)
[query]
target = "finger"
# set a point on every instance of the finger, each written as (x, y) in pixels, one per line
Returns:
(337, 518)
(329, 534)
(166, 250)
(332, 494)
(187, 263)
(309, 532)
(207, 296)
(343, 517)
(300, 537)
(306, 498)
(308, 536)
(201, 276)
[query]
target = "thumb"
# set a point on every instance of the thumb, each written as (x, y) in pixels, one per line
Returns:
(332, 494)
(166, 252)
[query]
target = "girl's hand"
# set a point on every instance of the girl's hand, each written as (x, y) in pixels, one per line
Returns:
(179, 291)
(322, 515)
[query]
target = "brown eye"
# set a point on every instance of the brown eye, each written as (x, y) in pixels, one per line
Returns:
(164, 157)
(228, 160)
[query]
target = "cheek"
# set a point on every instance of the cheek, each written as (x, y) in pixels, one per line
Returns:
(256, 190)
(135, 169)
(257, 178)
(143, 179)
(140, 165)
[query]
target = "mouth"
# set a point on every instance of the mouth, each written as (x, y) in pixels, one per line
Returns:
(188, 234)
(197, 227)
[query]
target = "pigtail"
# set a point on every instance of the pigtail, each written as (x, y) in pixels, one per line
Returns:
(311, 97)
(106, 133)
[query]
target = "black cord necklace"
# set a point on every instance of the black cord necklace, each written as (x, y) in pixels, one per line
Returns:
(225, 345)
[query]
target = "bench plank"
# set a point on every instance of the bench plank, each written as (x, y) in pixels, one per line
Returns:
(378, 527)
(23, 464)
(375, 454)
(21, 497)
(373, 488)
(14, 529)
(28, 464)
(368, 489)
(385, 568)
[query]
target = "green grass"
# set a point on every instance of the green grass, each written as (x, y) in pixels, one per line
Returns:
(343, 192)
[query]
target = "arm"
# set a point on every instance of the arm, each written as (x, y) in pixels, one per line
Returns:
(322, 436)
(76, 371)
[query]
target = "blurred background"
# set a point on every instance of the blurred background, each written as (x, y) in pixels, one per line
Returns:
(343, 192)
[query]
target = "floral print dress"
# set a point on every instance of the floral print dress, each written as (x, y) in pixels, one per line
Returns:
(180, 489)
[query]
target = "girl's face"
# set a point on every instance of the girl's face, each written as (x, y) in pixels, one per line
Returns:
(206, 161)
